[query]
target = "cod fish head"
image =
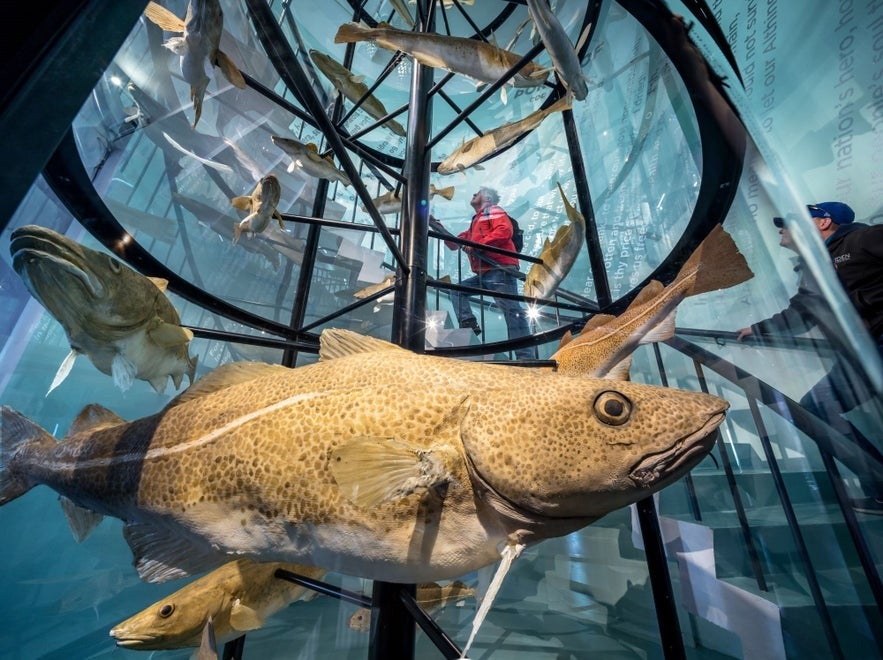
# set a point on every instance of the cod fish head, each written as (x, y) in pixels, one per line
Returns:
(269, 190)
(587, 446)
(82, 288)
(289, 146)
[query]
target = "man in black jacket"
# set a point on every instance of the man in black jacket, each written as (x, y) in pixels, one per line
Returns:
(856, 251)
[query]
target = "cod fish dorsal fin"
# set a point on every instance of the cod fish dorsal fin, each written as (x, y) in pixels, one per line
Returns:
(81, 521)
(596, 322)
(92, 418)
(244, 618)
(226, 376)
(648, 293)
(337, 343)
(160, 555)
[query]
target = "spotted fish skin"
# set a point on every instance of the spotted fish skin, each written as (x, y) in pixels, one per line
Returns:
(256, 468)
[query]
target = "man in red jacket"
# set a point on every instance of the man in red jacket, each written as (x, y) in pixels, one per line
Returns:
(491, 226)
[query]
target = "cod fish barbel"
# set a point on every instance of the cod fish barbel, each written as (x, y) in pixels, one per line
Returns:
(261, 207)
(306, 157)
(121, 320)
(564, 55)
(237, 597)
(352, 88)
(201, 39)
(558, 256)
(604, 346)
(353, 465)
(391, 202)
(494, 141)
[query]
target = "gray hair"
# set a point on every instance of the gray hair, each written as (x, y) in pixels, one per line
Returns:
(490, 194)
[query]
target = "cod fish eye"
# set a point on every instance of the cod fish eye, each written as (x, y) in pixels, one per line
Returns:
(167, 610)
(612, 408)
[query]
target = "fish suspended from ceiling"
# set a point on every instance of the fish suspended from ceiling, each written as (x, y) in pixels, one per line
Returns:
(564, 56)
(477, 59)
(391, 201)
(120, 319)
(431, 596)
(306, 157)
(260, 206)
(351, 87)
(484, 146)
(200, 41)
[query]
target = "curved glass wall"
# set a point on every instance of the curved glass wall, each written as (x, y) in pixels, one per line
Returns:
(765, 551)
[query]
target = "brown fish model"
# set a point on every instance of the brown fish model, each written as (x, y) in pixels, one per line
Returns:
(558, 256)
(201, 39)
(374, 462)
(431, 596)
(121, 320)
(605, 345)
(261, 207)
(237, 597)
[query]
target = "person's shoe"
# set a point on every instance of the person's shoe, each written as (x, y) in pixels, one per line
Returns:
(872, 505)
(471, 323)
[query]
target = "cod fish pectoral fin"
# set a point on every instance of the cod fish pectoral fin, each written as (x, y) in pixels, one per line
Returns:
(244, 618)
(371, 471)
(169, 335)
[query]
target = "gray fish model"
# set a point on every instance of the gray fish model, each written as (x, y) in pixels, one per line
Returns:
(306, 157)
(261, 207)
(353, 464)
(352, 87)
(390, 202)
(483, 146)
(470, 57)
(121, 320)
(201, 40)
(563, 54)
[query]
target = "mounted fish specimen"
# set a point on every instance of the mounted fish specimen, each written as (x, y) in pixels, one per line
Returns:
(604, 347)
(201, 28)
(352, 88)
(237, 597)
(478, 60)
(306, 157)
(431, 596)
(121, 320)
(483, 146)
(564, 56)
(558, 257)
(260, 206)
(391, 201)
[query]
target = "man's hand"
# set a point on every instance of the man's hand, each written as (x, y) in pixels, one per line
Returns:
(744, 332)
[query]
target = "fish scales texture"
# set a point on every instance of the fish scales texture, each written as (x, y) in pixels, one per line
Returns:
(247, 469)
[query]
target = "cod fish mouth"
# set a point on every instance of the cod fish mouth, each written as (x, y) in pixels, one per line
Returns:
(655, 467)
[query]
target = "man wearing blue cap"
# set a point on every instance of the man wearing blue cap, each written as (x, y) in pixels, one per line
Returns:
(856, 251)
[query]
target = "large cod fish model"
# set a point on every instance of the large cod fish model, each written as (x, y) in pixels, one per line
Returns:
(374, 462)
(121, 320)
(306, 157)
(201, 39)
(478, 60)
(558, 256)
(564, 56)
(260, 206)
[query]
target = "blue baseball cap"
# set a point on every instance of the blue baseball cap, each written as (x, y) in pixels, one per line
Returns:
(840, 213)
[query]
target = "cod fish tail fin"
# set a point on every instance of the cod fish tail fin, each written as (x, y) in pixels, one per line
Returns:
(717, 263)
(17, 434)
(352, 32)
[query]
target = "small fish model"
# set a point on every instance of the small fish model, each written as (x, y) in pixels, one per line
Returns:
(603, 349)
(484, 146)
(371, 289)
(564, 55)
(558, 256)
(121, 320)
(306, 157)
(201, 28)
(352, 88)
(391, 202)
(430, 596)
(478, 60)
(260, 206)
(237, 597)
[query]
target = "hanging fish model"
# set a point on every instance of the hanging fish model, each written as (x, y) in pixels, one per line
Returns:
(121, 320)
(201, 39)
(391, 202)
(306, 157)
(431, 596)
(564, 56)
(558, 256)
(484, 146)
(261, 207)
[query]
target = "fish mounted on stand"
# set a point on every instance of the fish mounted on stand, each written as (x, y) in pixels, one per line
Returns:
(351, 87)
(201, 40)
(352, 464)
(260, 206)
(391, 201)
(120, 319)
(484, 146)
(604, 347)
(306, 157)
(431, 596)
(564, 56)
(477, 59)
(558, 256)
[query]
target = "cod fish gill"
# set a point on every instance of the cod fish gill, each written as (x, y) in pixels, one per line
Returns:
(260, 206)
(558, 256)
(494, 141)
(306, 157)
(121, 320)
(604, 346)
(201, 39)
(237, 597)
